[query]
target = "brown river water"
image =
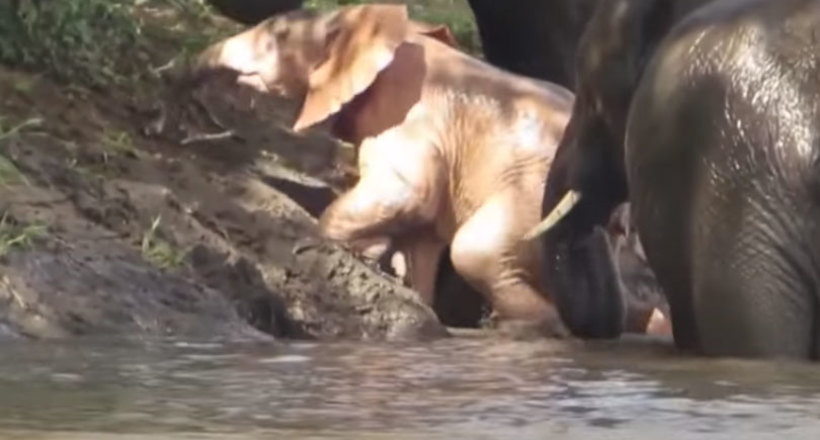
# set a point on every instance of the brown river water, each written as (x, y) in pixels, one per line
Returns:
(471, 388)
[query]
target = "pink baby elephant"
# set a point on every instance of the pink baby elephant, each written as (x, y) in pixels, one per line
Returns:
(451, 150)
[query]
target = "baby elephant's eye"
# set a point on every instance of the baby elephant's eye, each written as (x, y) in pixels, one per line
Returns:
(282, 34)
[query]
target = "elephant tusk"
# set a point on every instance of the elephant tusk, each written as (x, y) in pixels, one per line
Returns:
(563, 208)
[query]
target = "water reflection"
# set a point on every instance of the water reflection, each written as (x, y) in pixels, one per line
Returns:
(473, 388)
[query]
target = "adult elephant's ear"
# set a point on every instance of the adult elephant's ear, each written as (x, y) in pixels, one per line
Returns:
(360, 42)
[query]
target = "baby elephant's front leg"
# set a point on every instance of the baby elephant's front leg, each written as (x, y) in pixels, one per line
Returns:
(375, 207)
(370, 209)
(398, 190)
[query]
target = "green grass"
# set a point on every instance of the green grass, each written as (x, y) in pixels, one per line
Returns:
(159, 252)
(18, 236)
(93, 42)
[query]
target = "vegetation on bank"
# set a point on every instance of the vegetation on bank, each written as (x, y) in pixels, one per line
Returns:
(60, 51)
(98, 42)
(13, 234)
(78, 41)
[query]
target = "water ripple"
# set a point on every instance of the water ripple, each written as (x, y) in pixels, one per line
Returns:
(454, 388)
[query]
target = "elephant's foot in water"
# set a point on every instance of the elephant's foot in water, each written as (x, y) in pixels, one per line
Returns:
(548, 324)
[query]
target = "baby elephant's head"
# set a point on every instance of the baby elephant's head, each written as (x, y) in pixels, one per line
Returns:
(327, 58)
(275, 55)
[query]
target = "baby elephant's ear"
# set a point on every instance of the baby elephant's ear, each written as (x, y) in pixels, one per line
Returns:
(440, 32)
(361, 41)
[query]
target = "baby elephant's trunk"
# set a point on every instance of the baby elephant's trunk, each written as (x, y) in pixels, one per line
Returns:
(225, 57)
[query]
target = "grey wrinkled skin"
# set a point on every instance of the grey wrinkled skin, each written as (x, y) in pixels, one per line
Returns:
(736, 149)
(720, 154)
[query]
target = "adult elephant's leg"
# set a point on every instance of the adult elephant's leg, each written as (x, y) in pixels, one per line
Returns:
(753, 293)
(663, 221)
(716, 241)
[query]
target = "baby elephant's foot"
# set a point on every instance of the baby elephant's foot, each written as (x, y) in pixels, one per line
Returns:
(528, 329)
(520, 311)
(659, 324)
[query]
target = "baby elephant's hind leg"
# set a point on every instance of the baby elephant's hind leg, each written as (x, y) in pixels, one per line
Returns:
(422, 251)
(489, 253)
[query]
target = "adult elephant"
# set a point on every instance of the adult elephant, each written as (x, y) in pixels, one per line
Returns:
(535, 38)
(707, 114)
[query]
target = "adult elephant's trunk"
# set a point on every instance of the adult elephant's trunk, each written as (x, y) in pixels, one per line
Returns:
(581, 271)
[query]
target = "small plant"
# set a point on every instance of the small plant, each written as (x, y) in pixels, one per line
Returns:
(118, 142)
(17, 236)
(159, 252)
(23, 85)
(7, 132)
(9, 173)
